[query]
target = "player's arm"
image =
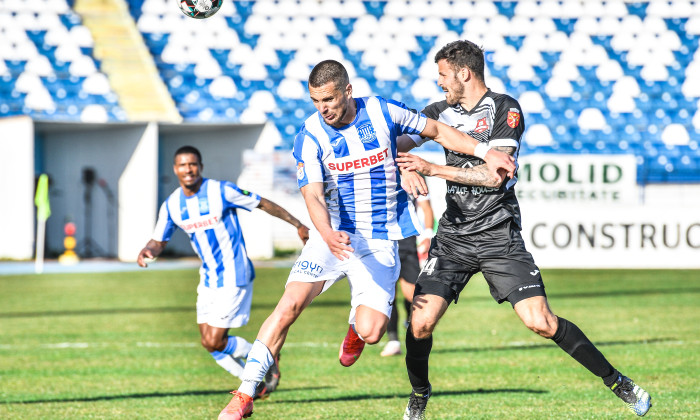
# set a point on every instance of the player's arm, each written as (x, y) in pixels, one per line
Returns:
(479, 175)
(337, 242)
(428, 221)
(453, 139)
(152, 250)
(276, 210)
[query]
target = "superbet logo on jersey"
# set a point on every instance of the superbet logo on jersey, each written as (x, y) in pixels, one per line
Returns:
(358, 161)
(513, 118)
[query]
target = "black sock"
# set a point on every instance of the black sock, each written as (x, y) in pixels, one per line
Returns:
(392, 328)
(407, 305)
(417, 354)
(573, 341)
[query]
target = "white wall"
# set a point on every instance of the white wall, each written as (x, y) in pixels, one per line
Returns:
(17, 187)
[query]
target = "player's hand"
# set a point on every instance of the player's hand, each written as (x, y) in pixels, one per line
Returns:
(413, 183)
(303, 232)
(423, 248)
(496, 160)
(339, 244)
(145, 254)
(414, 163)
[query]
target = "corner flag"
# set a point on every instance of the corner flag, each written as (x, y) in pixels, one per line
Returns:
(41, 200)
(43, 211)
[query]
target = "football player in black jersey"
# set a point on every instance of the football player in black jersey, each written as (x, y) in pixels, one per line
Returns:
(480, 231)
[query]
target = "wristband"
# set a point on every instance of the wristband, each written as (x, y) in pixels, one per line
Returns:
(481, 149)
(426, 234)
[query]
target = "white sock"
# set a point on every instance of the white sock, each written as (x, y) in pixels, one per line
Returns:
(258, 363)
(230, 365)
(240, 349)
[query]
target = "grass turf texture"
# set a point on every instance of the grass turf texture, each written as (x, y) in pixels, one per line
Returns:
(126, 346)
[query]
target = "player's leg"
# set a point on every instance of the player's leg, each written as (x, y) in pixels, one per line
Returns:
(393, 346)
(372, 272)
(267, 346)
(229, 352)
(408, 254)
(439, 283)
(218, 310)
(516, 278)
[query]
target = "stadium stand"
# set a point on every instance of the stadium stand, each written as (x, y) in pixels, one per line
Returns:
(592, 76)
(47, 66)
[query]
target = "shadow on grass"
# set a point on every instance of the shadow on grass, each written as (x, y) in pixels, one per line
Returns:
(133, 396)
(402, 396)
(268, 401)
(547, 345)
(334, 303)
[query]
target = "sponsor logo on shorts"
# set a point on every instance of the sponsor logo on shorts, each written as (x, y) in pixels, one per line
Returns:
(307, 268)
(528, 287)
(534, 273)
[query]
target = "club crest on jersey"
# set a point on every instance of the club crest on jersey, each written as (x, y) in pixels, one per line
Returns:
(481, 126)
(300, 170)
(203, 206)
(513, 118)
(367, 133)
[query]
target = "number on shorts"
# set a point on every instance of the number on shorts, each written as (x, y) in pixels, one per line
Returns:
(429, 266)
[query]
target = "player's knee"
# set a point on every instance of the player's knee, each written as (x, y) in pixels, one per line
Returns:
(370, 334)
(211, 344)
(542, 326)
(421, 327)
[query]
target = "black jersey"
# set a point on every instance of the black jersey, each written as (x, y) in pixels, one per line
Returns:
(497, 120)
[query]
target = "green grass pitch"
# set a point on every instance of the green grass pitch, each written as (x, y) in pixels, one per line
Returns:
(126, 346)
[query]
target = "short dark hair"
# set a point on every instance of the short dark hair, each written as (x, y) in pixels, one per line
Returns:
(463, 53)
(329, 71)
(186, 150)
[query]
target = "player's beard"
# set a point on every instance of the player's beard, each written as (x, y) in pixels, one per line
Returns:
(454, 93)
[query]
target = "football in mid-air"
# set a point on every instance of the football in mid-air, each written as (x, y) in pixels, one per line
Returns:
(199, 9)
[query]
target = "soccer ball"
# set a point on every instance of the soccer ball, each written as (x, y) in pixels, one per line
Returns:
(199, 9)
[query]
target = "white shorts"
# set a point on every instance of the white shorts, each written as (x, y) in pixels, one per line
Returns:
(224, 307)
(372, 270)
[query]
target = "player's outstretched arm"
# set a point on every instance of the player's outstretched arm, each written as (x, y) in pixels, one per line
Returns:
(276, 210)
(479, 175)
(338, 242)
(152, 250)
(453, 139)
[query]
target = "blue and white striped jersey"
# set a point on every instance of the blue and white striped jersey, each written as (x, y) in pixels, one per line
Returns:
(209, 219)
(356, 165)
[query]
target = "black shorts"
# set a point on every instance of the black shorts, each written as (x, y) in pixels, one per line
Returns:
(498, 252)
(408, 255)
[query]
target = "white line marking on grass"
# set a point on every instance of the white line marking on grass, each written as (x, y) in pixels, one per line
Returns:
(308, 344)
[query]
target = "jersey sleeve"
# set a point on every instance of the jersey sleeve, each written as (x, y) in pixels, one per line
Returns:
(307, 153)
(165, 226)
(408, 121)
(239, 198)
(509, 124)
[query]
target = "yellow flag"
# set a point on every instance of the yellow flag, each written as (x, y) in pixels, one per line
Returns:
(43, 209)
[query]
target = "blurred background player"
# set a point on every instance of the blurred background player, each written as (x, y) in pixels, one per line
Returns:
(480, 232)
(352, 188)
(206, 210)
(412, 252)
